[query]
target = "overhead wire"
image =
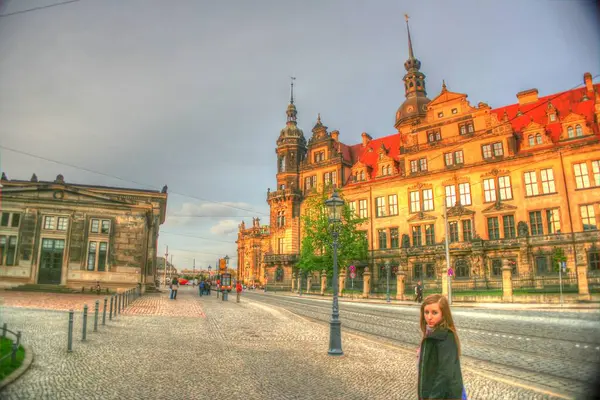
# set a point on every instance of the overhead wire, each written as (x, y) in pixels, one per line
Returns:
(38, 8)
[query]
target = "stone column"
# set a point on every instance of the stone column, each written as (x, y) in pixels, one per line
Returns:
(308, 282)
(293, 281)
(342, 281)
(582, 283)
(366, 283)
(400, 277)
(444, 280)
(323, 282)
(507, 287)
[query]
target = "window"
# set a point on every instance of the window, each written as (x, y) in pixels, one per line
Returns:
(414, 166)
(496, 266)
(280, 246)
(542, 266)
(434, 136)
(538, 138)
(430, 271)
(531, 185)
(417, 271)
(455, 158)
(570, 132)
(394, 238)
(95, 228)
(595, 171)
(553, 220)
(386, 170)
(63, 223)
(49, 222)
(578, 131)
(362, 209)
(453, 231)
(319, 156)
(582, 178)
(535, 221)
(464, 190)
(352, 206)
(329, 178)
(359, 176)
(282, 164)
(588, 217)
(100, 226)
(466, 128)
(415, 202)
(280, 219)
(467, 230)
(393, 204)
(96, 260)
(489, 190)
(8, 250)
(454, 111)
(493, 228)
(416, 236)
(429, 235)
(505, 188)
(10, 219)
(461, 268)
(427, 199)
(381, 233)
(380, 207)
(531, 140)
(552, 117)
(423, 164)
(310, 182)
(498, 149)
(450, 196)
(548, 181)
(440, 114)
(508, 221)
(486, 149)
(594, 260)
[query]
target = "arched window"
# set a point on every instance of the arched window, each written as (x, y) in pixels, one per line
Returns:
(570, 132)
(531, 140)
(461, 268)
(282, 164)
(538, 138)
(362, 175)
(578, 130)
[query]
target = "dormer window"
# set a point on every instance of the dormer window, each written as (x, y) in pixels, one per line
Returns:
(454, 111)
(319, 156)
(578, 130)
(552, 117)
(441, 114)
(531, 140)
(570, 132)
(380, 156)
(538, 138)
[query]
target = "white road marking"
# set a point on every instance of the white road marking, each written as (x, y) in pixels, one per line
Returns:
(576, 345)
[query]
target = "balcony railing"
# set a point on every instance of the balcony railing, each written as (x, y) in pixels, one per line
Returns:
(280, 258)
(283, 193)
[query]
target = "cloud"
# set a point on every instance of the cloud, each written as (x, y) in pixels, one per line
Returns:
(214, 209)
(225, 227)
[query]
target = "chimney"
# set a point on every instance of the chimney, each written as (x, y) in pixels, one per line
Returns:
(366, 138)
(335, 135)
(589, 85)
(527, 96)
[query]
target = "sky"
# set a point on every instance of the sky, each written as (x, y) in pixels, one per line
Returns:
(192, 94)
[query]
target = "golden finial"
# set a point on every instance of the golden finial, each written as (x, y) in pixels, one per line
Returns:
(406, 17)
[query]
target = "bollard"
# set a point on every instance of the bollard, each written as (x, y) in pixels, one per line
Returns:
(96, 316)
(70, 333)
(111, 308)
(104, 312)
(84, 333)
(120, 302)
(18, 338)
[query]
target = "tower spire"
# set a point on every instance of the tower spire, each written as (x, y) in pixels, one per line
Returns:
(292, 90)
(291, 109)
(410, 49)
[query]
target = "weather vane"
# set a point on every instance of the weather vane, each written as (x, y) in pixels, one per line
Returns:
(406, 17)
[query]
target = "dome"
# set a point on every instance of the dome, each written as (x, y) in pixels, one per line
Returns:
(414, 106)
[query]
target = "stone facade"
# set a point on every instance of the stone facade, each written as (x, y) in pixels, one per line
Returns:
(517, 182)
(76, 235)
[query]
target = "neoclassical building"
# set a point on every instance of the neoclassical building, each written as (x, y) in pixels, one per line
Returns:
(62, 233)
(518, 182)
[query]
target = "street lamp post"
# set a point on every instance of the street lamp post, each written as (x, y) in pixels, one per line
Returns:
(300, 282)
(334, 208)
(387, 269)
(266, 282)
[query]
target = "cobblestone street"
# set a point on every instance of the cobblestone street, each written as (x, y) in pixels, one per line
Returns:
(201, 348)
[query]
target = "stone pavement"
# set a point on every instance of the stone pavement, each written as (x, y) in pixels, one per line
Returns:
(200, 348)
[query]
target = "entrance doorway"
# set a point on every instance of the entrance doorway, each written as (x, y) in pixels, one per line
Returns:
(51, 261)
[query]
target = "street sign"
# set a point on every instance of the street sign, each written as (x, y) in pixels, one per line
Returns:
(564, 266)
(352, 275)
(352, 268)
(450, 272)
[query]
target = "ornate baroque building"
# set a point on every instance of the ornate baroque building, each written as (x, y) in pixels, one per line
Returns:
(518, 181)
(76, 235)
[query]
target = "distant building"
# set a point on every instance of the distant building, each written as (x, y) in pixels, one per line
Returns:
(519, 181)
(75, 235)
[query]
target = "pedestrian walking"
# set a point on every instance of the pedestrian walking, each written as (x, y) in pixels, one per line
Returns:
(201, 288)
(419, 292)
(238, 290)
(439, 371)
(174, 288)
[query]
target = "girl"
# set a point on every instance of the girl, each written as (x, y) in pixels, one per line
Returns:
(440, 375)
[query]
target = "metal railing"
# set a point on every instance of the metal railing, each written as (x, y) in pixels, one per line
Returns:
(15, 345)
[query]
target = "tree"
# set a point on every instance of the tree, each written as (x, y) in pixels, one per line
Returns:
(316, 251)
(558, 256)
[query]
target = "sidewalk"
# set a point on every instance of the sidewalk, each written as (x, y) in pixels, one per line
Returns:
(214, 349)
(591, 306)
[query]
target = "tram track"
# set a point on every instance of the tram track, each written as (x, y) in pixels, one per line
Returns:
(536, 360)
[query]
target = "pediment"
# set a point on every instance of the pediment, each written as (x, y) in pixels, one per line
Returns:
(420, 186)
(499, 207)
(447, 96)
(572, 117)
(360, 165)
(422, 216)
(533, 126)
(62, 193)
(459, 211)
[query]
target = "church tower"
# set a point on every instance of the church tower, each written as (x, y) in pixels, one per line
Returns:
(285, 201)
(414, 107)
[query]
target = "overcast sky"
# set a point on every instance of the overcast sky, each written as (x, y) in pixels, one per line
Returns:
(193, 93)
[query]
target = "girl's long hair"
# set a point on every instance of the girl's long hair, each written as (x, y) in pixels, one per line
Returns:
(446, 322)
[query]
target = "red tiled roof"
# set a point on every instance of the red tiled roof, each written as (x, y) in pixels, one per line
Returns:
(564, 103)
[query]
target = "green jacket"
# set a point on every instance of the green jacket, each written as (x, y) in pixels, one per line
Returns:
(440, 375)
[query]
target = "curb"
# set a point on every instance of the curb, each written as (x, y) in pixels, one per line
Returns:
(16, 374)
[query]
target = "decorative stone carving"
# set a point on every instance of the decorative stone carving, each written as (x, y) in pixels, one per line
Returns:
(34, 178)
(59, 179)
(522, 229)
(164, 189)
(4, 178)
